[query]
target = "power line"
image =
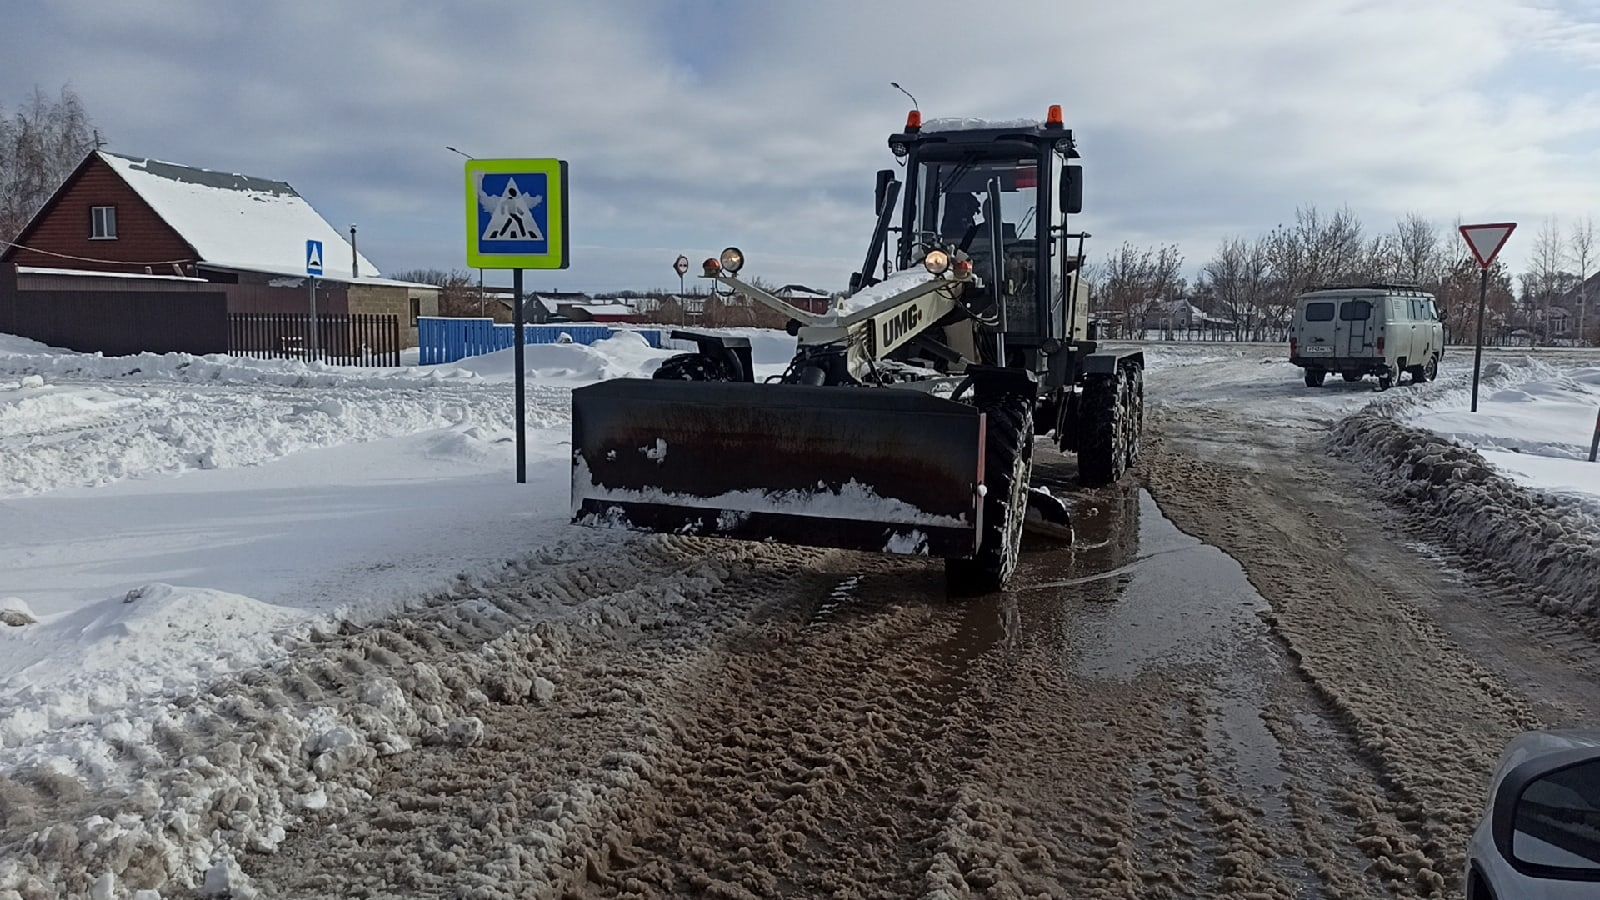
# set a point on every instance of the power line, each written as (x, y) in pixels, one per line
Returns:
(108, 262)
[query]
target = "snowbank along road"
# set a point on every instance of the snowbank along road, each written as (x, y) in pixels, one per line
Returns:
(1271, 667)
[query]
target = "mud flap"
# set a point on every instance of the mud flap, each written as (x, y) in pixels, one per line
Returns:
(859, 468)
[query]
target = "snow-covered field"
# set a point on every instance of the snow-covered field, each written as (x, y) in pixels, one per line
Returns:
(1535, 426)
(167, 519)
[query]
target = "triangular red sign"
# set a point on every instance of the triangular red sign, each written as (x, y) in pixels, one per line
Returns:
(1486, 240)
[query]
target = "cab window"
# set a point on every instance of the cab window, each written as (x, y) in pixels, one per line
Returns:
(1319, 312)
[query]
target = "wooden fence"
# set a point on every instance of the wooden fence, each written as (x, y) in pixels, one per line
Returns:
(117, 323)
(338, 339)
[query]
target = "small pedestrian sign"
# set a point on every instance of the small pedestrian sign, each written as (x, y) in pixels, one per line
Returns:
(517, 214)
(314, 258)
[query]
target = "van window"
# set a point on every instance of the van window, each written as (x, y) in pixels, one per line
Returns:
(1356, 310)
(1319, 312)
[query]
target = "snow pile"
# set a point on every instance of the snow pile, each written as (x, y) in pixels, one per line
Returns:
(851, 500)
(214, 368)
(11, 345)
(79, 684)
(623, 355)
(230, 770)
(1549, 541)
(73, 435)
(1536, 429)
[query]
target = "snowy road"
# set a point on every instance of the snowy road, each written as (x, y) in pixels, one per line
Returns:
(1255, 675)
(1132, 718)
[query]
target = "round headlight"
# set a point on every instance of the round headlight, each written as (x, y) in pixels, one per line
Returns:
(937, 262)
(732, 260)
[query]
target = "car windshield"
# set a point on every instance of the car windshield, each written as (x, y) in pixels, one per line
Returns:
(957, 199)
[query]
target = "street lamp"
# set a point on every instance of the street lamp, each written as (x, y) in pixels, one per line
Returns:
(480, 271)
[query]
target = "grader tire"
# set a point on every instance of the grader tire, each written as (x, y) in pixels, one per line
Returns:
(1103, 411)
(1008, 466)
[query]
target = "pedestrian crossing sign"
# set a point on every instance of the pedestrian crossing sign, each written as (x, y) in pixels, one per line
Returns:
(517, 214)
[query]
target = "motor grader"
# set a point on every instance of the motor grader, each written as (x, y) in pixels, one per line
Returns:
(906, 421)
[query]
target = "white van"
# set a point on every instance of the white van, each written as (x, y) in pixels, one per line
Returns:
(1380, 329)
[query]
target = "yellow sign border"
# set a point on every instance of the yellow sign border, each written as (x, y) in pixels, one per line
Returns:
(555, 201)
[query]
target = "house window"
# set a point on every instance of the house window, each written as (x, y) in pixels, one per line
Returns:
(416, 310)
(103, 223)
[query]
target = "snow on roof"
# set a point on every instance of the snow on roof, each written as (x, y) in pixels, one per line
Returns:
(86, 273)
(236, 221)
(603, 309)
(970, 124)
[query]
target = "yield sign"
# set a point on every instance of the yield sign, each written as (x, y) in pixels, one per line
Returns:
(1486, 240)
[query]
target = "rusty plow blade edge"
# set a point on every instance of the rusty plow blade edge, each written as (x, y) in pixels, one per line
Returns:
(859, 468)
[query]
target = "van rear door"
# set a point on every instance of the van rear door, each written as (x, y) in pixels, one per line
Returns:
(1318, 328)
(1355, 321)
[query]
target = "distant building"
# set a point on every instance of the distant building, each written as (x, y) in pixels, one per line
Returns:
(599, 311)
(802, 297)
(243, 235)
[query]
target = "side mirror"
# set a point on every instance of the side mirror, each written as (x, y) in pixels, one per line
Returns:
(885, 177)
(1546, 817)
(1072, 189)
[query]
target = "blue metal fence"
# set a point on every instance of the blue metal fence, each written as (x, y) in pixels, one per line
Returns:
(448, 340)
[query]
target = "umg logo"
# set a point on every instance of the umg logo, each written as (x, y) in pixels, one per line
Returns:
(899, 325)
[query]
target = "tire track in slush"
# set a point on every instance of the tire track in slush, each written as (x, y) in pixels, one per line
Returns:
(1131, 719)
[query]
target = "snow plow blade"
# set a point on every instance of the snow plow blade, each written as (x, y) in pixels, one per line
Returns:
(873, 469)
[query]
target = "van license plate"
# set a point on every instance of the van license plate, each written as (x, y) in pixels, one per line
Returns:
(1315, 350)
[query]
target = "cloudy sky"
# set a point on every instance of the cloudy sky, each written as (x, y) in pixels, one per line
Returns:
(692, 125)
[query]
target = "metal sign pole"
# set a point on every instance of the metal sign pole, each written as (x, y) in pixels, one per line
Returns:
(311, 329)
(1594, 443)
(1477, 354)
(522, 432)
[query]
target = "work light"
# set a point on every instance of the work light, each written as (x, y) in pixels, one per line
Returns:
(732, 260)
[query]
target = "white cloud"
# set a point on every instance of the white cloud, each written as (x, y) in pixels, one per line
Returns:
(690, 127)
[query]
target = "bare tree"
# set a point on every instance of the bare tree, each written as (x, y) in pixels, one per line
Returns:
(1581, 253)
(1414, 252)
(1543, 280)
(1238, 276)
(459, 296)
(1133, 277)
(40, 145)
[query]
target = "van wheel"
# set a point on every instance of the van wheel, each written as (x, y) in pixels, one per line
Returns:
(1430, 369)
(1314, 377)
(1350, 376)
